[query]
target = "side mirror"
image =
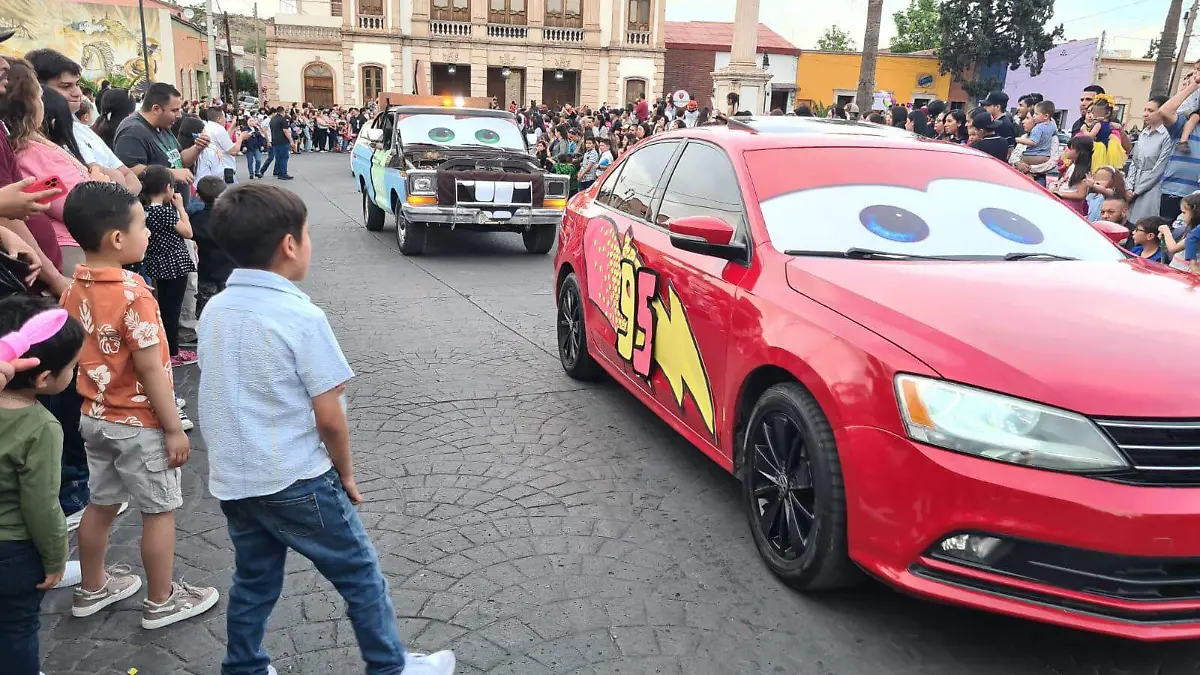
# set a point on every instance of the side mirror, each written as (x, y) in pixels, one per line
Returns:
(1116, 233)
(707, 236)
(375, 134)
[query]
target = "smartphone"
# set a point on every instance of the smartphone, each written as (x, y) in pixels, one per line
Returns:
(51, 183)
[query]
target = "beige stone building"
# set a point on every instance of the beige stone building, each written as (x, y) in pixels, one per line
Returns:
(583, 52)
(1128, 81)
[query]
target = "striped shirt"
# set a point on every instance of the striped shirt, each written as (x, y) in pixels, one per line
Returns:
(1182, 176)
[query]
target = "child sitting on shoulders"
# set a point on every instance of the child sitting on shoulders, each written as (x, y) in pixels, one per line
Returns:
(33, 530)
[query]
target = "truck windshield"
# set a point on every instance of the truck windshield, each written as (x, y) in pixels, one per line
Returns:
(461, 130)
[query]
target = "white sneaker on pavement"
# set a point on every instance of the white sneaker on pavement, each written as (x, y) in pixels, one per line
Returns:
(181, 403)
(72, 576)
(185, 423)
(438, 663)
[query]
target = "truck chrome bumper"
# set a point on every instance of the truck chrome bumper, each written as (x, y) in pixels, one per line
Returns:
(515, 217)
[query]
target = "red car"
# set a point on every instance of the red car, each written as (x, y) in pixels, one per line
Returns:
(919, 364)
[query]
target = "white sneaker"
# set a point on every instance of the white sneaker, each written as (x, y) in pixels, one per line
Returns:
(438, 663)
(185, 423)
(181, 403)
(76, 518)
(271, 670)
(72, 576)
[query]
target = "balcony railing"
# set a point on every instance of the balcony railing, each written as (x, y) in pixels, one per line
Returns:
(638, 37)
(450, 28)
(505, 31)
(550, 34)
(372, 21)
(300, 33)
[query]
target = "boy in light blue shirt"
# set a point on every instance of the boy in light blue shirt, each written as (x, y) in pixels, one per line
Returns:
(271, 383)
(1040, 141)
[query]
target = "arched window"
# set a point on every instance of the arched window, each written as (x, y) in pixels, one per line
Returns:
(318, 84)
(372, 83)
(639, 15)
(634, 88)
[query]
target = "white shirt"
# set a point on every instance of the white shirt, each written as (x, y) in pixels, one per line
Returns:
(216, 157)
(93, 148)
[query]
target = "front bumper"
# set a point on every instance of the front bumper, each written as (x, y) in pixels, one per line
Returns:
(904, 498)
(492, 217)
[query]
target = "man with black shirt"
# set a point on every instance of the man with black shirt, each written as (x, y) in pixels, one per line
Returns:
(281, 141)
(996, 103)
(357, 121)
(145, 138)
(991, 142)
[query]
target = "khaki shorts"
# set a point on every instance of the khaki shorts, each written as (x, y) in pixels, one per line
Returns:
(129, 463)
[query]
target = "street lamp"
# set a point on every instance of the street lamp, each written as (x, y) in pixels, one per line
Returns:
(558, 74)
(505, 72)
(451, 69)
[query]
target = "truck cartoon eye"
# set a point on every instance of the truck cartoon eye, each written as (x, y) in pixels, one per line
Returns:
(441, 134)
(894, 223)
(487, 136)
(1011, 226)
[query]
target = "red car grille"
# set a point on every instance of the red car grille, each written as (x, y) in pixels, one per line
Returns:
(1163, 452)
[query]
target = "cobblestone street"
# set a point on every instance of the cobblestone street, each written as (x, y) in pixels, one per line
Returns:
(533, 524)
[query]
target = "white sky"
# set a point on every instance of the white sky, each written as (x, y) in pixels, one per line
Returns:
(1130, 23)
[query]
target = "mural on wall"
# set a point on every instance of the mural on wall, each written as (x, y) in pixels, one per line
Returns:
(104, 39)
(651, 325)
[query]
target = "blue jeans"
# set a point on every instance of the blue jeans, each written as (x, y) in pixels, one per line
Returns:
(254, 161)
(315, 518)
(282, 152)
(20, 602)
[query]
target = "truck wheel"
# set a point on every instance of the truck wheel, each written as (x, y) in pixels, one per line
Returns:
(410, 237)
(372, 215)
(539, 239)
(793, 491)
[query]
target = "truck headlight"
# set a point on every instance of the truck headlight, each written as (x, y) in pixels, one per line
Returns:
(981, 423)
(423, 184)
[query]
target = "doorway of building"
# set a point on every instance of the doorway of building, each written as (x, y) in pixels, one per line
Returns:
(318, 85)
(634, 89)
(560, 87)
(779, 100)
(451, 80)
(506, 90)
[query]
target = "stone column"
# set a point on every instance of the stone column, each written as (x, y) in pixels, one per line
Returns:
(743, 76)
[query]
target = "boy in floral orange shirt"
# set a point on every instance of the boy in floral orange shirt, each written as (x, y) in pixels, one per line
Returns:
(131, 429)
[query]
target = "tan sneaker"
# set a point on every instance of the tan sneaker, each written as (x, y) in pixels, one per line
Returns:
(120, 583)
(185, 602)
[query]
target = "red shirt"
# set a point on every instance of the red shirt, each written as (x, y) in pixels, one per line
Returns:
(642, 110)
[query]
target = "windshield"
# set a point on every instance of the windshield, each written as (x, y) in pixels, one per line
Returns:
(461, 130)
(913, 202)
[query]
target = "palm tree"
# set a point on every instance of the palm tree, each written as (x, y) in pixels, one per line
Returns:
(870, 54)
(1166, 50)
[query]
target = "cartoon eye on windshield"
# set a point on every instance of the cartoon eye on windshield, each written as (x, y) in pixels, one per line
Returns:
(487, 136)
(441, 135)
(1011, 226)
(894, 223)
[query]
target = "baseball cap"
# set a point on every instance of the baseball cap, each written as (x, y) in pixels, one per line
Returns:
(984, 120)
(852, 108)
(997, 98)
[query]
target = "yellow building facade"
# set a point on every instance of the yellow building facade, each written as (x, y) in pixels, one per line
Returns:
(828, 78)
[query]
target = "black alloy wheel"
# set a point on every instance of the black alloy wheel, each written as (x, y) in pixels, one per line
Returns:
(572, 332)
(792, 486)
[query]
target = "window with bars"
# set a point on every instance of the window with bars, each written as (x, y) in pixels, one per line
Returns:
(564, 13)
(372, 80)
(451, 10)
(639, 15)
(508, 12)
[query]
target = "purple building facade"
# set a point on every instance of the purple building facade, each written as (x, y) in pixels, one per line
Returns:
(1069, 68)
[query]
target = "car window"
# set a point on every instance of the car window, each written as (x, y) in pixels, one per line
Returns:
(605, 194)
(633, 190)
(703, 184)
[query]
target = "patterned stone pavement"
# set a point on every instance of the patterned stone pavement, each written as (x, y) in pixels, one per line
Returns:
(533, 524)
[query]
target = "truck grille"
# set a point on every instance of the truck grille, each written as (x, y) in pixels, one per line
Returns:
(1163, 452)
(501, 193)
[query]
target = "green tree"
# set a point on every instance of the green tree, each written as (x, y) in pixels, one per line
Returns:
(916, 27)
(978, 33)
(256, 45)
(1152, 52)
(835, 40)
(246, 83)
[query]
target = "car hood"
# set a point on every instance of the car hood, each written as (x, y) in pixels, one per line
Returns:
(1100, 338)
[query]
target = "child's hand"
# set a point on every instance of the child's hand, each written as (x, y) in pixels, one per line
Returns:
(1164, 229)
(177, 200)
(52, 580)
(178, 449)
(351, 488)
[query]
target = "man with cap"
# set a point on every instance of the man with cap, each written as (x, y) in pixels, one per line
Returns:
(852, 111)
(996, 103)
(989, 141)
